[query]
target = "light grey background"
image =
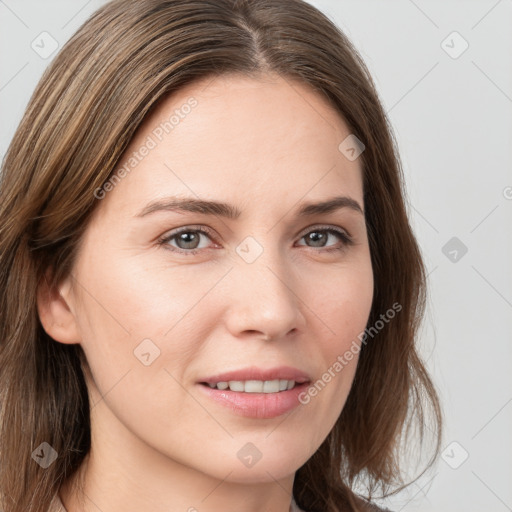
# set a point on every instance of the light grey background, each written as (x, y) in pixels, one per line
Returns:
(452, 115)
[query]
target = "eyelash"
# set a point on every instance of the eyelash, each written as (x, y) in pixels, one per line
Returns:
(347, 240)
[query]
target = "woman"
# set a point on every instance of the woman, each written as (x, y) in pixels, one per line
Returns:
(210, 291)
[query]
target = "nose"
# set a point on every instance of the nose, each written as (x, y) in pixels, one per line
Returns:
(263, 298)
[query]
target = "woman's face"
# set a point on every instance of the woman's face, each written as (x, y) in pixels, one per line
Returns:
(265, 292)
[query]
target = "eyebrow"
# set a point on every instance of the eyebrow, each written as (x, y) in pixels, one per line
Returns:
(231, 212)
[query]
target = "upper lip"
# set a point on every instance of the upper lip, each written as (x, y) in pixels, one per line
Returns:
(255, 373)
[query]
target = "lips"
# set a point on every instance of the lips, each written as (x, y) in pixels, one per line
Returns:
(257, 393)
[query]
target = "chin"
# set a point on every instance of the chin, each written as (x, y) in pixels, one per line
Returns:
(262, 473)
(267, 463)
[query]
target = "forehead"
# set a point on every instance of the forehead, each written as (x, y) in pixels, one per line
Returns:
(269, 137)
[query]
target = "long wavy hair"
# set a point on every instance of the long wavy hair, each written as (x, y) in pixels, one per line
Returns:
(83, 114)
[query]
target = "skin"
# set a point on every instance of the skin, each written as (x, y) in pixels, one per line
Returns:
(266, 145)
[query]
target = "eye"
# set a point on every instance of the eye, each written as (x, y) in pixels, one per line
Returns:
(319, 236)
(188, 239)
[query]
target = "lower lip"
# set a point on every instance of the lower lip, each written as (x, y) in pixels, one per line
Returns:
(257, 405)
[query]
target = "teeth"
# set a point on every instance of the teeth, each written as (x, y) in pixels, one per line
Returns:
(255, 386)
(236, 385)
(270, 386)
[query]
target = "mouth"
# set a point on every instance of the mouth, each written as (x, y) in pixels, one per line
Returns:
(257, 393)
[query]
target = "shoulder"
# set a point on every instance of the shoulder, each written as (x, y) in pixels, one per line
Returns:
(374, 508)
(365, 506)
(368, 506)
(56, 505)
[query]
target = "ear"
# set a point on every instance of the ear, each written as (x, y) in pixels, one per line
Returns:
(54, 306)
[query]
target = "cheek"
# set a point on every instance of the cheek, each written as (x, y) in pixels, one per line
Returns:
(133, 299)
(344, 304)
(139, 340)
(343, 307)
(135, 318)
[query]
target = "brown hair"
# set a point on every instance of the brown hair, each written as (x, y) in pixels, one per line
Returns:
(83, 114)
